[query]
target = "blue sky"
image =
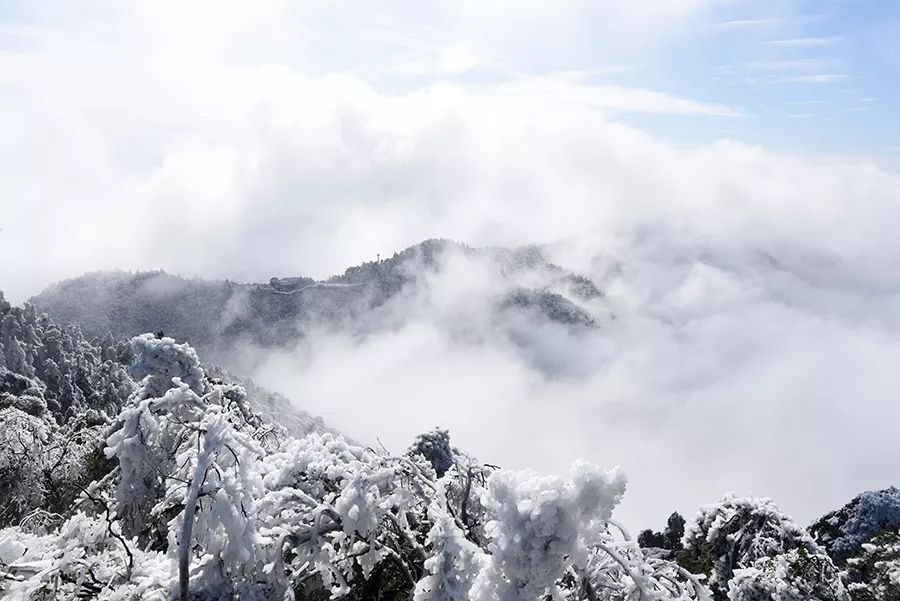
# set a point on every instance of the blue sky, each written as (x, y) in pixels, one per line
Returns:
(802, 75)
(806, 76)
(822, 77)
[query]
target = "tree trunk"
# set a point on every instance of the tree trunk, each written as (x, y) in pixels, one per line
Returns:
(187, 526)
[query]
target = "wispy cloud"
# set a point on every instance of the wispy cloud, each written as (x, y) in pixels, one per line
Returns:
(563, 89)
(812, 78)
(750, 23)
(816, 78)
(611, 70)
(581, 76)
(807, 42)
(863, 104)
(803, 64)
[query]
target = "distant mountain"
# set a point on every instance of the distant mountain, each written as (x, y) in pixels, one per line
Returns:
(217, 314)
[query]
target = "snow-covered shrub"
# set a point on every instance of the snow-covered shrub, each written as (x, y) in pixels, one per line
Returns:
(542, 526)
(336, 511)
(145, 443)
(185, 462)
(737, 532)
(452, 564)
(159, 360)
(86, 559)
(23, 487)
(214, 483)
(873, 574)
(465, 489)
(43, 465)
(793, 576)
(620, 570)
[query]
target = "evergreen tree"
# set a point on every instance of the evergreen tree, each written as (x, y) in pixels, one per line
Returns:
(674, 532)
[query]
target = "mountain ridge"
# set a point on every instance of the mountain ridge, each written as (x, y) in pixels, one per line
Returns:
(212, 314)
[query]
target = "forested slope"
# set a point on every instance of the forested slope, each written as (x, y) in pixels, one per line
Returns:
(216, 315)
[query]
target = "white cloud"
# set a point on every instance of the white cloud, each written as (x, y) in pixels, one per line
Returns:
(822, 78)
(453, 61)
(740, 359)
(808, 78)
(563, 90)
(750, 23)
(807, 42)
(458, 59)
(807, 64)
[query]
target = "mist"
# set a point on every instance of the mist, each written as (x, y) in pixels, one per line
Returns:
(708, 371)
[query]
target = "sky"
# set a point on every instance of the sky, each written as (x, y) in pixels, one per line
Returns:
(738, 162)
(138, 114)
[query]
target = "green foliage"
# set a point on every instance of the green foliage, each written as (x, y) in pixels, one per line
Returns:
(696, 561)
(874, 573)
(669, 539)
(96, 465)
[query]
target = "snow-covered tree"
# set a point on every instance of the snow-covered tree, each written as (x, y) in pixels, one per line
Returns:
(17, 358)
(844, 531)
(215, 485)
(65, 369)
(744, 533)
(144, 444)
(435, 447)
(342, 515)
(159, 359)
(86, 558)
(669, 539)
(23, 438)
(452, 565)
(797, 575)
(674, 531)
(873, 574)
(543, 526)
